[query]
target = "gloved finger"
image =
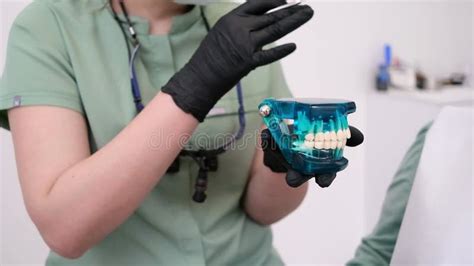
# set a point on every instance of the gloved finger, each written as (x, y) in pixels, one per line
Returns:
(356, 137)
(279, 29)
(265, 57)
(267, 141)
(259, 7)
(295, 179)
(268, 19)
(325, 180)
(273, 158)
(274, 162)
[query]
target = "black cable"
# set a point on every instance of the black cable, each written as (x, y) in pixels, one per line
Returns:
(127, 18)
(206, 159)
(204, 18)
(121, 29)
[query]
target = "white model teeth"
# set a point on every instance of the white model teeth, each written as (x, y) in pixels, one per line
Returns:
(319, 145)
(327, 140)
(341, 134)
(333, 144)
(308, 144)
(340, 143)
(327, 136)
(327, 144)
(319, 137)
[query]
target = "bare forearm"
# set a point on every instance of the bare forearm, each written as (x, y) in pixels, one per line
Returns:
(93, 197)
(268, 198)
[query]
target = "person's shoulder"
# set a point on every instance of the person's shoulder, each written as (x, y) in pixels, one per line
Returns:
(35, 14)
(74, 5)
(45, 22)
(41, 12)
(36, 22)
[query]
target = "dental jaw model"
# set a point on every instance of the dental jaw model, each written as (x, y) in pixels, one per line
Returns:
(311, 133)
(331, 137)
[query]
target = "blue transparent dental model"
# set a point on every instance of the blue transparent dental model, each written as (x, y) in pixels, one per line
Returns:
(311, 133)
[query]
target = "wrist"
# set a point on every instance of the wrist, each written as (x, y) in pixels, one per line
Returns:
(189, 95)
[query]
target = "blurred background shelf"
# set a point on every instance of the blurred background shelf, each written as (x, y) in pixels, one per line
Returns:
(447, 95)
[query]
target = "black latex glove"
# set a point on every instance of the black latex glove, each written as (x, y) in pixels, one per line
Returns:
(273, 159)
(232, 49)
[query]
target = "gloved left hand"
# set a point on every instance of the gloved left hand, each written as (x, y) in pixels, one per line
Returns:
(231, 50)
(273, 159)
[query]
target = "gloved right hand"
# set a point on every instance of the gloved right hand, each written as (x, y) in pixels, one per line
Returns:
(233, 48)
(274, 159)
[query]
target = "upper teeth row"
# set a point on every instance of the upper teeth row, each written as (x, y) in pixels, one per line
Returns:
(329, 135)
(328, 139)
(326, 144)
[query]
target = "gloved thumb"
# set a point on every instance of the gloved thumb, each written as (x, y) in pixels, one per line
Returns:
(356, 137)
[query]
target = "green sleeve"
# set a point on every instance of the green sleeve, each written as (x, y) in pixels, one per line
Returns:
(37, 68)
(378, 246)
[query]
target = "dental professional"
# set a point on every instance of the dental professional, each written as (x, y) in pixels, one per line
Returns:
(93, 147)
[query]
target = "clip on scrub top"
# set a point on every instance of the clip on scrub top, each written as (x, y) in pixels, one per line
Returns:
(311, 133)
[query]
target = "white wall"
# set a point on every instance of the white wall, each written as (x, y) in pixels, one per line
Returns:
(337, 55)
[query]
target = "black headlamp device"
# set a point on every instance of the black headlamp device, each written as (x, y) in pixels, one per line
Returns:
(207, 162)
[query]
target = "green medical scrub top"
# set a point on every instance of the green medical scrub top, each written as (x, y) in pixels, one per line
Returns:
(72, 54)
